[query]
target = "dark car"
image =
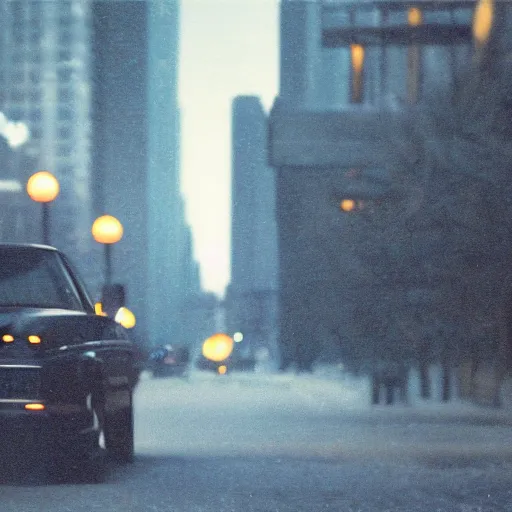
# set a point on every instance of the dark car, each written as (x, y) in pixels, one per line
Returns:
(67, 374)
(169, 361)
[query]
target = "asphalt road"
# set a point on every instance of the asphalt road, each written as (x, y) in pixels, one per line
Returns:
(260, 443)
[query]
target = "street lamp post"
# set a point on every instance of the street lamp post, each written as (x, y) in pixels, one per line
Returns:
(43, 188)
(107, 230)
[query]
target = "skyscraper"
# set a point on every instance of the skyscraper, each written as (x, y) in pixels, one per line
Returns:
(136, 154)
(44, 82)
(253, 289)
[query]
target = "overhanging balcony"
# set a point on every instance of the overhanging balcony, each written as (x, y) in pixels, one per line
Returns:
(354, 137)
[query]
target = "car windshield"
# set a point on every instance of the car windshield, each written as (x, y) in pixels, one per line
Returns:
(35, 278)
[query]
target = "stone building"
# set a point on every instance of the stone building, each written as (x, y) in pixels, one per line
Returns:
(347, 70)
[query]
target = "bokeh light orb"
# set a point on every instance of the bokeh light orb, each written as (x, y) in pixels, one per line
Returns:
(43, 187)
(414, 16)
(218, 347)
(347, 205)
(483, 20)
(125, 317)
(107, 230)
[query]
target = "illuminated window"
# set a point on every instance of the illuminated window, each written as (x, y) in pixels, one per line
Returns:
(347, 205)
(357, 59)
(414, 18)
(482, 21)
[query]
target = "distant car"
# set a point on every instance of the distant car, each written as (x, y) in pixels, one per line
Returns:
(67, 375)
(169, 361)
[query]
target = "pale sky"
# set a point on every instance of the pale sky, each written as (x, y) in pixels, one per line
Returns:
(227, 48)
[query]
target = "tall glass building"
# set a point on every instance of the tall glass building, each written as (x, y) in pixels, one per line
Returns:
(96, 82)
(45, 83)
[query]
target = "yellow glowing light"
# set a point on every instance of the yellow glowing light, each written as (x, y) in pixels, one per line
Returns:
(222, 369)
(347, 205)
(218, 347)
(34, 407)
(357, 52)
(43, 187)
(107, 230)
(34, 340)
(7, 338)
(414, 16)
(98, 309)
(483, 20)
(125, 317)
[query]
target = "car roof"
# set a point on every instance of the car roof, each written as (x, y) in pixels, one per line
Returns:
(7, 245)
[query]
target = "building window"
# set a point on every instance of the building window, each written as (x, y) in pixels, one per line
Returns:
(18, 33)
(17, 77)
(64, 55)
(35, 76)
(65, 132)
(36, 21)
(64, 94)
(35, 115)
(357, 68)
(16, 113)
(65, 114)
(36, 132)
(18, 96)
(18, 57)
(64, 75)
(65, 38)
(414, 18)
(63, 150)
(35, 37)
(35, 95)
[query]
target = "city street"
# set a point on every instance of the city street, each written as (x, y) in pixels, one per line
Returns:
(287, 443)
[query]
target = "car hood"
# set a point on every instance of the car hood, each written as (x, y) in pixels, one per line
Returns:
(55, 327)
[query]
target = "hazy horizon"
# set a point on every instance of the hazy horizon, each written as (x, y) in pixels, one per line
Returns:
(227, 48)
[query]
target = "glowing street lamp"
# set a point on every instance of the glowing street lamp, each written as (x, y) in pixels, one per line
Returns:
(218, 347)
(125, 317)
(43, 188)
(107, 230)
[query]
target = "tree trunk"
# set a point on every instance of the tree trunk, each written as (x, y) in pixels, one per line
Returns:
(375, 390)
(445, 374)
(390, 391)
(404, 384)
(472, 377)
(425, 390)
(446, 381)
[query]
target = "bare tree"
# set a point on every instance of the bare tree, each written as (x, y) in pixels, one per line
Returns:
(452, 170)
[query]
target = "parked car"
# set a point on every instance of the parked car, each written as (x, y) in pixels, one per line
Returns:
(67, 374)
(169, 361)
